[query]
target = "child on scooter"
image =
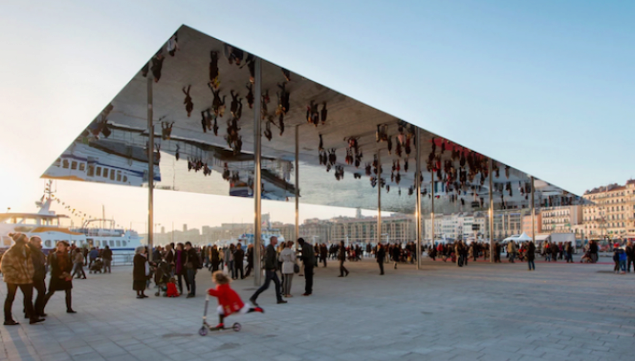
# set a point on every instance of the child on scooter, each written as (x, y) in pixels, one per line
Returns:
(228, 300)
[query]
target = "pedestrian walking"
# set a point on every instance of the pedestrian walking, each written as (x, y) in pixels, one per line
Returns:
(342, 258)
(78, 265)
(380, 255)
(61, 280)
(308, 259)
(39, 268)
(17, 271)
(271, 267)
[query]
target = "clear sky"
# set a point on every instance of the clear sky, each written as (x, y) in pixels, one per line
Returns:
(545, 86)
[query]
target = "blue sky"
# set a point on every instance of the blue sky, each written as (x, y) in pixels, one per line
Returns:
(546, 86)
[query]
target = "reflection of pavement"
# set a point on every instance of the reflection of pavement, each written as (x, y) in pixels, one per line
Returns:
(483, 311)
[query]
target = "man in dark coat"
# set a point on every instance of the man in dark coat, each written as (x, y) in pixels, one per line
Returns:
(215, 258)
(191, 266)
(323, 253)
(380, 254)
(308, 258)
(39, 266)
(271, 266)
(107, 257)
(531, 255)
(239, 256)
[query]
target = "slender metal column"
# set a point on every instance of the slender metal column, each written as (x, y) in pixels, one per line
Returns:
(418, 187)
(297, 182)
(150, 170)
(378, 196)
(432, 206)
(533, 213)
(257, 179)
(491, 210)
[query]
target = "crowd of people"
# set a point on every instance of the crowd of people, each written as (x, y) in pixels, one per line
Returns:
(24, 266)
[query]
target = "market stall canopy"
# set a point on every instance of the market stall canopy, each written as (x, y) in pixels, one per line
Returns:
(203, 91)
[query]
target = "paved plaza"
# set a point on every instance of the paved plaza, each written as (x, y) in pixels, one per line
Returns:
(442, 312)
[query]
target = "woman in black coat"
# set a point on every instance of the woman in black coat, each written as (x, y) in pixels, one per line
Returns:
(61, 280)
(140, 271)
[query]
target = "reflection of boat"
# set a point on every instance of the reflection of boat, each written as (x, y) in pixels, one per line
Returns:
(102, 160)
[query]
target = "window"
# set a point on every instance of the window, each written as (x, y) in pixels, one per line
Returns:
(118, 176)
(98, 173)
(74, 165)
(123, 243)
(47, 243)
(112, 174)
(91, 170)
(97, 243)
(58, 162)
(112, 243)
(105, 174)
(125, 179)
(65, 164)
(82, 167)
(118, 243)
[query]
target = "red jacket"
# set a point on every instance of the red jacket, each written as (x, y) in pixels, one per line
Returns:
(227, 298)
(172, 292)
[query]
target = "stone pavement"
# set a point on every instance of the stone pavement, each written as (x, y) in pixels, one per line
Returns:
(442, 312)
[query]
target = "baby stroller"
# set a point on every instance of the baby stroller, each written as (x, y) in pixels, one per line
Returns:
(97, 266)
(161, 277)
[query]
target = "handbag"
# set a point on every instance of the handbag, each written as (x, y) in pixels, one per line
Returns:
(296, 268)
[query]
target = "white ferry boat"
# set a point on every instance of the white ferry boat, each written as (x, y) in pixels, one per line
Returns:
(47, 225)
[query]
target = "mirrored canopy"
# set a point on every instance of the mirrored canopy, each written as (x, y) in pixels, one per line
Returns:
(203, 93)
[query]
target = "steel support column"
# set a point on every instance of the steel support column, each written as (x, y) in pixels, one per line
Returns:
(378, 196)
(533, 213)
(257, 176)
(297, 182)
(491, 209)
(418, 188)
(150, 170)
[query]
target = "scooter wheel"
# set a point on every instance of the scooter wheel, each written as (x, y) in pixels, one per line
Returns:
(202, 331)
(236, 327)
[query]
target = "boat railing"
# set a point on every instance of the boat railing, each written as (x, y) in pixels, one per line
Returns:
(122, 259)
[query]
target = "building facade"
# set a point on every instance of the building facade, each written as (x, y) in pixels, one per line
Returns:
(610, 212)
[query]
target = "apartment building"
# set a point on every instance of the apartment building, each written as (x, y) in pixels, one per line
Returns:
(610, 212)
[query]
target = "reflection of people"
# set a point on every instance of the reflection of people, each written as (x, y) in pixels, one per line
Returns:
(17, 270)
(61, 280)
(157, 66)
(173, 44)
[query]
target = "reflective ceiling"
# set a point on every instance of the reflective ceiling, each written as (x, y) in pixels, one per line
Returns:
(204, 140)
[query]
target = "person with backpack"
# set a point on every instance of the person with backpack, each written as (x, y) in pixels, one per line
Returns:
(192, 264)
